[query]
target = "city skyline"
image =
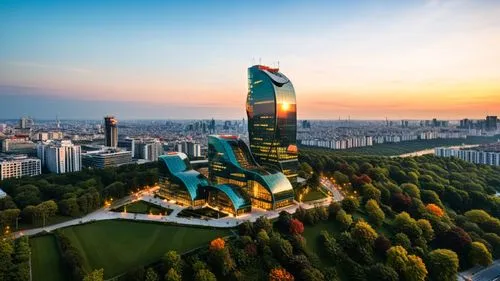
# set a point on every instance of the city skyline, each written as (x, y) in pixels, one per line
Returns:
(411, 60)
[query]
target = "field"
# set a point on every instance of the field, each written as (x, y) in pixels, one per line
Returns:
(392, 149)
(142, 207)
(118, 246)
(45, 259)
(313, 195)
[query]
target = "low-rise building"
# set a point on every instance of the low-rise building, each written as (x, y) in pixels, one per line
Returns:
(107, 157)
(16, 166)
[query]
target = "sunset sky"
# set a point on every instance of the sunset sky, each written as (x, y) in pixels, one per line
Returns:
(188, 59)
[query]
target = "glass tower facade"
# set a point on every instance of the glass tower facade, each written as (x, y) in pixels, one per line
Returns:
(111, 131)
(272, 119)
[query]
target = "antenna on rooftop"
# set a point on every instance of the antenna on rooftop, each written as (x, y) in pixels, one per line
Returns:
(260, 61)
(278, 64)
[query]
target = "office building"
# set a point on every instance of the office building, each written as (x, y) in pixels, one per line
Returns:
(491, 123)
(60, 156)
(190, 148)
(107, 157)
(110, 131)
(16, 166)
(179, 182)
(18, 145)
(272, 119)
(231, 162)
(148, 149)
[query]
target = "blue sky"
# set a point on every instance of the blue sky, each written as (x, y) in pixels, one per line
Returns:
(367, 59)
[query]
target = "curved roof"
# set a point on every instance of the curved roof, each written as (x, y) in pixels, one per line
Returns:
(190, 179)
(277, 78)
(234, 193)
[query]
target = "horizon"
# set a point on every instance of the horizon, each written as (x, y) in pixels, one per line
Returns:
(408, 60)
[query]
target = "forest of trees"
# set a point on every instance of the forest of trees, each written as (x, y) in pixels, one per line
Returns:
(412, 219)
(416, 219)
(34, 200)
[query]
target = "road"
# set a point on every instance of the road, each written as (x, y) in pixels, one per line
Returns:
(331, 187)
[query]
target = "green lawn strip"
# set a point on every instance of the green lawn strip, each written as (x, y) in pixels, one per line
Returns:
(118, 246)
(46, 262)
(143, 207)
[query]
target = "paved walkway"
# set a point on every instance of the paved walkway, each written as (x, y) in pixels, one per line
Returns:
(226, 222)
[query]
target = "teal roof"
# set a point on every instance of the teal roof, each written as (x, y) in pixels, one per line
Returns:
(274, 181)
(191, 179)
(235, 195)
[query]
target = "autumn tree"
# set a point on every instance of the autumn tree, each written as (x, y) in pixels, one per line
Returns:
(435, 210)
(280, 274)
(415, 269)
(296, 226)
(364, 233)
(344, 219)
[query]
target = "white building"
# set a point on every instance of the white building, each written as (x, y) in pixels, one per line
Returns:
(60, 156)
(19, 166)
(192, 149)
(488, 155)
(148, 149)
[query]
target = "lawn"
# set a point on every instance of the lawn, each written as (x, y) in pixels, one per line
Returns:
(142, 207)
(313, 195)
(201, 213)
(45, 259)
(118, 246)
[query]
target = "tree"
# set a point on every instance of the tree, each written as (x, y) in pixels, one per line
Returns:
(443, 265)
(415, 269)
(172, 275)
(217, 244)
(151, 275)
(69, 207)
(204, 275)
(350, 204)
(455, 239)
(311, 274)
(375, 214)
(382, 244)
(400, 202)
(371, 192)
(296, 227)
(172, 260)
(403, 222)
(96, 275)
(411, 189)
(382, 272)
(402, 240)
(262, 223)
(344, 219)
(435, 210)
(340, 178)
(426, 228)
(397, 258)
(280, 274)
(479, 254)
(364, 233)
(6, 251)
(478, 216)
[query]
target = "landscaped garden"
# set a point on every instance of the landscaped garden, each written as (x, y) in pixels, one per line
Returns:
(118, 246)
(143, 207)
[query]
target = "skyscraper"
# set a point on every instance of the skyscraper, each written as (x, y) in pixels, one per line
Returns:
(110, 131)
(272, 119)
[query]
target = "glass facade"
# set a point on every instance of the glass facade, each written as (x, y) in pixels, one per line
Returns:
(179, 182)
(272, 119)
(231, 162)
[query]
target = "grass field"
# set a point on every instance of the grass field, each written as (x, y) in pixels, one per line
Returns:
(313, 195)
(45, 259)
(118, 246)
(392, 149)
(141, 207)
